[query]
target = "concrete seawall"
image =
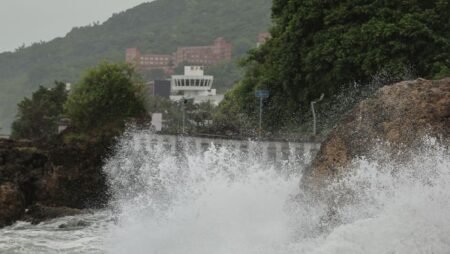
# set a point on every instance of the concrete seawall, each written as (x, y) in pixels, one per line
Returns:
(271, 151)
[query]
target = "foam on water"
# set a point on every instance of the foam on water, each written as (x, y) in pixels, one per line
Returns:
(80, 234)
(228, 202)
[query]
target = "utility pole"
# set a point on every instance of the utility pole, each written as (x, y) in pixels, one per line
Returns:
(241, 123)
(261, 94)
(260, 112)
(314, 114)
(183, 106)
(184, 118)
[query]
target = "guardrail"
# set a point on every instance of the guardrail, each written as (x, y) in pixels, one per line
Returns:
(312, 139)
(268, 150)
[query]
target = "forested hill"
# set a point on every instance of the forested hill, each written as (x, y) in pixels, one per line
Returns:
(155, 27)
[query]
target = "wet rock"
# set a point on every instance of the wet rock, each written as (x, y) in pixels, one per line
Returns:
(12, 203)
(400, 115)
(77, 179)
(38, 213)
(74, 224)
(53, 175)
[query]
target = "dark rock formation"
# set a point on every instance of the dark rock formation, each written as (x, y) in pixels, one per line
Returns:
(74, 224)
(401, 115)
(76, 179)
(12, 203)
(38, 213)
(55, 175)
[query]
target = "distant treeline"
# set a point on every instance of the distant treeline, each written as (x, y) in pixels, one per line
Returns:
(156, 27)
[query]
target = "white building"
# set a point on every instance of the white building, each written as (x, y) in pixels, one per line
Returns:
(194, 85)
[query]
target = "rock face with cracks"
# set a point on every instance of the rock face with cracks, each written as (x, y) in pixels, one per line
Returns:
(44, 181)
(12, 203)
(400, 115)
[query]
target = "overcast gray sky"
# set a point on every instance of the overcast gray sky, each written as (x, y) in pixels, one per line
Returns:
(28, 21)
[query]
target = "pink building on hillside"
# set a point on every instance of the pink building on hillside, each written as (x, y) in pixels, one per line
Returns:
(205, 55)
(197, 55)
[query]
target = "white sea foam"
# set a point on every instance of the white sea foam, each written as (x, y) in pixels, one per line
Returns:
(225, 201)
(52, 238)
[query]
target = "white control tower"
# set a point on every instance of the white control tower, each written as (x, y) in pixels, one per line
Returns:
(194, 85)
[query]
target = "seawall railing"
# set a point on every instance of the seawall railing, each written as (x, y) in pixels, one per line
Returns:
(269, 150)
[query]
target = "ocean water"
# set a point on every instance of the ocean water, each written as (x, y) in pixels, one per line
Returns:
(224, 201)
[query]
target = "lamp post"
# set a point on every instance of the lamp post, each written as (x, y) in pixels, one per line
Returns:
(314, 114)
(261, 94)
(184, 102)
(260, 112)
(184, 115)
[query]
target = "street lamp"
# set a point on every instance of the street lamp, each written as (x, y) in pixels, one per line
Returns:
(314, 114)
(261, 95)
(184, 101)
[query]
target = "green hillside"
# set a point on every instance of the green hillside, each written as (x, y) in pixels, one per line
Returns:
(156, 27)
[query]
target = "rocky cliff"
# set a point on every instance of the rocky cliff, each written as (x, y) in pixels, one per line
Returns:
(53, 177)
(400, 115)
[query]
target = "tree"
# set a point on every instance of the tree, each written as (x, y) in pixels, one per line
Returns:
(229, 117)
(108, 95)
(157, 27)
(154, 74)
(38, 117)
(171, 111)
(201, 115)
(325, 46)
(225, 73)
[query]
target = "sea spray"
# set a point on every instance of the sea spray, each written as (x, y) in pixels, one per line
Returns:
(224, 201)
(219, 201)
